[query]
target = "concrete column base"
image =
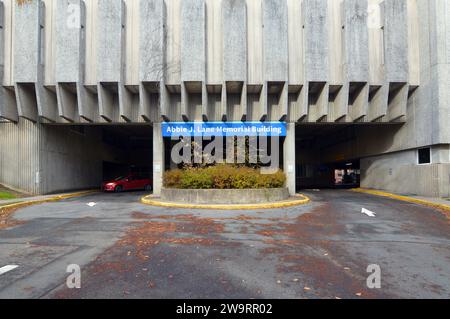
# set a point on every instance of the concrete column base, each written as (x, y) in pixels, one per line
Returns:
(158, 159)
(289, 158)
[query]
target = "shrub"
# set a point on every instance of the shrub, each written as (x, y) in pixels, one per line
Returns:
(196, 179)
(173, 177)
(222, 177)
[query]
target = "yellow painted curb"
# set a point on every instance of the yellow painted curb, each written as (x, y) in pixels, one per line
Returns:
(46, 200)
(403, 198)
(150, 200)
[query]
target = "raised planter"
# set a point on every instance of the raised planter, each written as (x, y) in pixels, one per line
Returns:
(224, 196)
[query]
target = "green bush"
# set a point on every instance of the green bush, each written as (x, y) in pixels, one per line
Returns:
(196, 179)
(222, 177)
(173, 177)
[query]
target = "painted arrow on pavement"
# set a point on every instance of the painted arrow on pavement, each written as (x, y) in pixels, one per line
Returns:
(368, 212)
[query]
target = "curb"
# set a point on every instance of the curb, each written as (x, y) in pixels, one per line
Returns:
(150, 200)
(403, 198)
(46, 200)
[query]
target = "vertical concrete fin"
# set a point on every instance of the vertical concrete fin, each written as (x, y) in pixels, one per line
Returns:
(144, 103)
(193, 58)
(277, 101)
(164, 102)
(27, 41)
(125, 103)
(303, 101)
(108, 100)
(284, 103)
(152, 41)
(8, 106)
(69, 41)
(234, 26)
(263, 107)
(88, 103)
(244, 102)
(184, 102)
(358, 101)
(339, 107)
(224, 103)
(47, 103)
(151, 98)
(26, 101)
(205, 103)
(27, 56)
(111, 21)
(356, 40)
(295, 39)
(395, 13)
(67, 101)
(275, 40)
(397, 102)
(297, 104)
(234, 99)
(193, 41)
(378, 102)
(69, 56)
(276, 57)
(315, 20)
(318, 101)
(316, 57)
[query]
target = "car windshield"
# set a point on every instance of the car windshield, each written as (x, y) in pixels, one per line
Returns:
(120, 178)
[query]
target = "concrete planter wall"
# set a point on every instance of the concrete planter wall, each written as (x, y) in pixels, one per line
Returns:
(224, 196)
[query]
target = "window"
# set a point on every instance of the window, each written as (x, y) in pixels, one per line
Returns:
(424, 156)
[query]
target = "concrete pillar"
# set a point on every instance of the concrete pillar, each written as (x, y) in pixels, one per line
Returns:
(158, 159)
(289, 157)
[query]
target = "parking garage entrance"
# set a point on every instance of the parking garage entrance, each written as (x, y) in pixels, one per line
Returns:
(84, 156)
(132, 151)
(326, 156)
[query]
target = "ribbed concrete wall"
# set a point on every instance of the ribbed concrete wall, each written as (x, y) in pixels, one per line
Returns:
(400, 173)
(42, 159)
(69, 166)
(114, 61)
(19, 156)
(303, 61)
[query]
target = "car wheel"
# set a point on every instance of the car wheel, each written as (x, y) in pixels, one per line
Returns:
(148, 188)
(118, 189)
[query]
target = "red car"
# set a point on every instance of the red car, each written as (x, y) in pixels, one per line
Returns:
(130, 182)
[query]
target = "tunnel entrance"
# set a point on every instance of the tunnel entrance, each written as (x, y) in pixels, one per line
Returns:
(84, 156)
(132, 151)
(326, 156)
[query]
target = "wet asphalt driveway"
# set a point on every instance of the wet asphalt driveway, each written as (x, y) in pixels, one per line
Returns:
(320, 250)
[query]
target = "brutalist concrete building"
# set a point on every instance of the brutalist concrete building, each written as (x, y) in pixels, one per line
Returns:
(360, 83)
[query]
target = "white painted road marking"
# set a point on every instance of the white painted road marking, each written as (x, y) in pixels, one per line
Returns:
(91, 204)
(368, 212)
(7, 268)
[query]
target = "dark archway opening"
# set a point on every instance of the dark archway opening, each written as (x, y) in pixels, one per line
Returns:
(326, 156)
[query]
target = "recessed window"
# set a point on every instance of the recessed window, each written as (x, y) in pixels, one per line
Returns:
(424, 156)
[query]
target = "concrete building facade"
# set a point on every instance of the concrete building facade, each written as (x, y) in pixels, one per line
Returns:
(373, 76)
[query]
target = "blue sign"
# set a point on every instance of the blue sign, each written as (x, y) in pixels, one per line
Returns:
(174, 129)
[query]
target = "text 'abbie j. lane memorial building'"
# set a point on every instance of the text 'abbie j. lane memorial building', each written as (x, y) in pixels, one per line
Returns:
(362, 85)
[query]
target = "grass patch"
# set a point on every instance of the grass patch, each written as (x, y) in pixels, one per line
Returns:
(5, 195)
